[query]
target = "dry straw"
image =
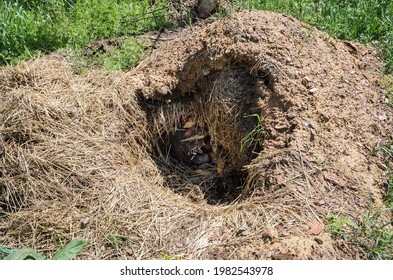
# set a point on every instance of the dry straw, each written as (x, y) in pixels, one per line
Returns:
(86, 156)
(80, 147)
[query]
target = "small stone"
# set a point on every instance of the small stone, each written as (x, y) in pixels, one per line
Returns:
(318, 240)
(200, 159)
(362, 65)
(306, 81)
(291, 115)
(283, 256)
(270, 234)
(316, 228)
(285, 233)
(84, 222)
(243, 230)
(321, 202)
(292, 75)
(279, 180)
(382, 117)
(288, 59)
(335, 180)
(312, 90)
(259, 253)
(281, 127)
(311, 124)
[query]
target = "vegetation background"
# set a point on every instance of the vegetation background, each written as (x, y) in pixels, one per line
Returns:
(30, 28)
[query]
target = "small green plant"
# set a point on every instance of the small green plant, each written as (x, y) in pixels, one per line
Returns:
(121, 57)
(68, 252)
(389, 93)
(372, 236)
(387, 152)
(125, 57)
(116, 241)
(255, 136)
(340, 226)
(321, 127)
(387, 82)
(29, 28)
(319, 162)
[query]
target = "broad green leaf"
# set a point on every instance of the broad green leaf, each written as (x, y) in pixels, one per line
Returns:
(24, 254)
(6, 251)
(70, 250)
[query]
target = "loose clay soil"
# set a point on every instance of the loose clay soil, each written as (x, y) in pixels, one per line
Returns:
(285, 123)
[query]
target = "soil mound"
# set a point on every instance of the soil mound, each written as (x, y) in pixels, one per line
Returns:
(230, 141)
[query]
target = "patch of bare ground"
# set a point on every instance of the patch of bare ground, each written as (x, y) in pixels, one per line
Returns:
(167, 160)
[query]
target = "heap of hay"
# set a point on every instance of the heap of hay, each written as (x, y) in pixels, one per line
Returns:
(283, 119)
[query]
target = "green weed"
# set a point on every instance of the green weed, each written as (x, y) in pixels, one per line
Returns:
(68, 252)
(372, 236)
(32, 27)
(387, 151)
(255, 136)
(125, 57)
(388, 81)
(370, 233)
(29, 28)
(115, 58)
(121, 243)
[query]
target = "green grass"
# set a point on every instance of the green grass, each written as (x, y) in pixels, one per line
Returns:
(31, 27)
(125, 57)
(115, 58)
(254, 137)
(372, 236)
(371, 233)
(388, 154)
(389, 91)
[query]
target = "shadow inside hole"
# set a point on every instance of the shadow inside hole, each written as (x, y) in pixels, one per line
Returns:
(206, 182)
(226, 111)
(224, 189)
(202, 185)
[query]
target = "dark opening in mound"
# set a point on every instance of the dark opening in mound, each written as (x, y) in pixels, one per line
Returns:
(204, 139)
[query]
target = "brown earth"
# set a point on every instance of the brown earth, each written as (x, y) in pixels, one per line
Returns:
(99, 156)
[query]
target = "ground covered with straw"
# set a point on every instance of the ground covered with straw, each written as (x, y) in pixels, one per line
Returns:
(232, 140)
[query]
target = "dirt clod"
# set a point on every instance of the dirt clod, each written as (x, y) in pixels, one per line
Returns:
(316, 228)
